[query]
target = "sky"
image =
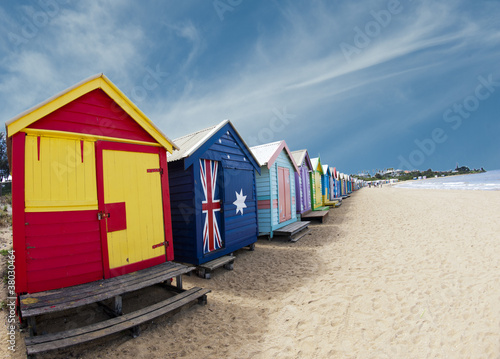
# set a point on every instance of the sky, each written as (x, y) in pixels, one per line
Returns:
(367, 85)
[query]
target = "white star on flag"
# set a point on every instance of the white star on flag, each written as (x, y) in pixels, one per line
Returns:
(240, 202)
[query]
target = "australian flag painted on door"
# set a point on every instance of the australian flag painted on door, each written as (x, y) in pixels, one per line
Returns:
(211, 205)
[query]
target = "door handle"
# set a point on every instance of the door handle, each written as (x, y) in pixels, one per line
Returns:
(102, 215)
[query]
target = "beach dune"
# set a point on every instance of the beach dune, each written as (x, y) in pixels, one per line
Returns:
(393, 273)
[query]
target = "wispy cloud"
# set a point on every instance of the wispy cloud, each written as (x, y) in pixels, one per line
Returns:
(291, 67)
(427, 56)
(73, 44)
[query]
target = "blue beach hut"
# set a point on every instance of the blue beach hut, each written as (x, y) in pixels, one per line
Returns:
(212, 194)
(276, 188)
(326, 187)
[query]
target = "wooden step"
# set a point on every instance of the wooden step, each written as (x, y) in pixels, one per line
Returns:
(204, 270)
(300, 234)
(291, 229)
(320, 215)
(47, 342)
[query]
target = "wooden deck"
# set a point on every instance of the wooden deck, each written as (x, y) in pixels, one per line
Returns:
(204, 270)
(293, 231)
(33, 305)
(316, 215)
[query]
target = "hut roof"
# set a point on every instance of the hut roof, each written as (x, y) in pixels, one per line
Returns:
(316, 164)
(268, 153)
(190, 143)
(299, 157)
(26, 118)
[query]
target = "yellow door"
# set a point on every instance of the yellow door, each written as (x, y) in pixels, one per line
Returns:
(318, 198)
(133, 202)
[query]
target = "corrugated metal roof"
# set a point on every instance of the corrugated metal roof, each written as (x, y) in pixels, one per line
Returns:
(314, 162)
(189, 143)
(299, 156)
(263, 153)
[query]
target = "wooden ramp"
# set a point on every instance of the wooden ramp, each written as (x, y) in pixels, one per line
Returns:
(33, 305)
(316, 215)
(204, 270)
(293, 231)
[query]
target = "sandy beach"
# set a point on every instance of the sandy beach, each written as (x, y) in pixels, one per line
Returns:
(392, 273)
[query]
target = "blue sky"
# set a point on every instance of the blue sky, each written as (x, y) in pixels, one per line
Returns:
(365, 84)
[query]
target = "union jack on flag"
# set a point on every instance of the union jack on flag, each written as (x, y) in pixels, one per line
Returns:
(210, 206)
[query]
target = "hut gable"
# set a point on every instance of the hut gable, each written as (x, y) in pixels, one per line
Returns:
(220, 143)
(73, 118)
(94, 113)
(268, 153)
(301, 158)
(316, 164)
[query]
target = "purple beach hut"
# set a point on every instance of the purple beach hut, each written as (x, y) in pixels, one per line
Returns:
(302, 181)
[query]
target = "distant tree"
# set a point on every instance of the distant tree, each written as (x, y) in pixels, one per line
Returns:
(378, 176)
(4, 162)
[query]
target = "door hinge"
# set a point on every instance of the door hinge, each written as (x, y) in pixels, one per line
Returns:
(161, 244)
(150, 170)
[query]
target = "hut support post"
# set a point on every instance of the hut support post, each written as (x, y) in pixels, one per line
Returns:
(32, 326)
(178, 281)
(118, 305)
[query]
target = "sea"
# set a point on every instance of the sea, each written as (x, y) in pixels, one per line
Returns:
(486, 181)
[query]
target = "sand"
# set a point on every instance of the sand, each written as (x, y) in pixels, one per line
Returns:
(393, 273)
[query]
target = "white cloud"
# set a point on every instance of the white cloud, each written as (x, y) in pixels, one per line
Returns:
(71, 45)
(302, 67)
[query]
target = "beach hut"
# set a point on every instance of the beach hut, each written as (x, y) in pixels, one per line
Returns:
(332, 184)
(277, 213)
(326, 187)
(334, 188)
(302, 181)
(213, 199)
(90, 189)
(316, 186)
(336, 183)
(343, 185)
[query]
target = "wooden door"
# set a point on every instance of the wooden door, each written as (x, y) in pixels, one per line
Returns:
(131, 208)
(284, 195)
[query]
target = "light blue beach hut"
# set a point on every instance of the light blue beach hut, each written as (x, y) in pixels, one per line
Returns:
(276, 202)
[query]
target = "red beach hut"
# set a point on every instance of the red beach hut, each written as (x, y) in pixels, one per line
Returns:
(90, 188)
